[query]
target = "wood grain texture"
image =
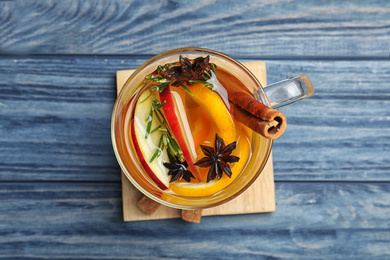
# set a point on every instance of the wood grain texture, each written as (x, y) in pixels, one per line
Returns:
(84, 221)
(60, 193)
(239, 28)
(55, 119)
(258, 198)
(346, 122)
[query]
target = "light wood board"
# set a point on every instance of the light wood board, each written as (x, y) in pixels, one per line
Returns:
(258, 198)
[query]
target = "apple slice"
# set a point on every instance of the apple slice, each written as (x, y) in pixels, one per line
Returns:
(146, 147)
(177, 120)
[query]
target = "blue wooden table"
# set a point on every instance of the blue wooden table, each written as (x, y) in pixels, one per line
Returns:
(60, 189)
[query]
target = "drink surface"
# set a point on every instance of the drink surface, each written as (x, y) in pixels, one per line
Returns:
(183, 132)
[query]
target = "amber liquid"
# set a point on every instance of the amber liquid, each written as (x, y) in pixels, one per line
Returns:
(203, 127)
(206, 112)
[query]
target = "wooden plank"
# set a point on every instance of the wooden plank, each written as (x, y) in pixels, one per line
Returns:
(314, 220)
(346, 123)
(55, 117)
(248, 28)
(259, 198)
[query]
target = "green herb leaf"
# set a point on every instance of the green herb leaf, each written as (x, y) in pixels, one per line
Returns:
(209, 85)
(162, 119)
(165, 140)
(160, 105)
(155, 129)
(158, 117)
(176, 148)
(197, 80)
(186, 89)
(146, 98)
(213, 67)
(158, 151)
(171, 150)
(163, 86)
(149, 119)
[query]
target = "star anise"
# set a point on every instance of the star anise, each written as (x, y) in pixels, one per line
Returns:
(197, 69)
(178, 169)
(217, 158)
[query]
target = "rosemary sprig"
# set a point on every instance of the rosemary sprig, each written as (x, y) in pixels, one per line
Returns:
(206, 76)
(197, 80)
(187, 89)
(163, 83)
(204, 82)
(166, 139)
(213, 67)
(149, 119)
(157, 79)
(158, 151)
(142, 101)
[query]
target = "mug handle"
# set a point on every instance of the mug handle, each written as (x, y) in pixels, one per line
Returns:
(287, 91)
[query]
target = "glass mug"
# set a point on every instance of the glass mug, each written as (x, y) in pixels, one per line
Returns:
(276, 95)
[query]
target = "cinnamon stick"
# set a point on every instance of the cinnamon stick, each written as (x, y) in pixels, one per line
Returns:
(191, 215)
(264, 120)
(148, 205)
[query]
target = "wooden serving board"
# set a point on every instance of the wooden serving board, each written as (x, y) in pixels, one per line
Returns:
(258, 198)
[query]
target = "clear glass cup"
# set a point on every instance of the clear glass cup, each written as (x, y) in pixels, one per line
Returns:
(276, 95)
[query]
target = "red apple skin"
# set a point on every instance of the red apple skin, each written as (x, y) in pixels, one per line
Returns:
(174, 124)
(144, 163)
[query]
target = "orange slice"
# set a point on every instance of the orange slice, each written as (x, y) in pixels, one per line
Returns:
(216, 108)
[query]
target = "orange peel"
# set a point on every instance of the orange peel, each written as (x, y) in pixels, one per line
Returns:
(212, 102)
